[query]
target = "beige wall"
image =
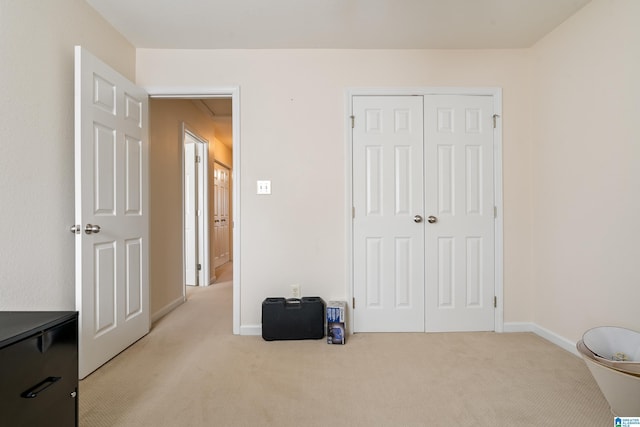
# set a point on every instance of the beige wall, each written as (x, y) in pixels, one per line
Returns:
(167, 116)
(586, 176)
(292, 123)
(36, 144)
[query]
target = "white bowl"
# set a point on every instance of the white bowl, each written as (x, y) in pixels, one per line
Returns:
(610, 341)
(618, 348)
(631, 368)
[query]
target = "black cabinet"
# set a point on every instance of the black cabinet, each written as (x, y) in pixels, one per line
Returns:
(39, 368)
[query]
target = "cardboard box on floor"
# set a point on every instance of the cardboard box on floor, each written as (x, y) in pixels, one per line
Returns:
(336, 319)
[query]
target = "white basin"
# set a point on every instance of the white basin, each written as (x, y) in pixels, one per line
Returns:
(615, 347)
(621, 390)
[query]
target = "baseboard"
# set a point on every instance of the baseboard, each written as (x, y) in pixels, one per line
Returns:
(552, 337)
(558, 340)
(518, 327)
(166, 309)
(255, 330)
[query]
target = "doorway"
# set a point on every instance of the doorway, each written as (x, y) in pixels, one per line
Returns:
(425, 234)
(166, 179)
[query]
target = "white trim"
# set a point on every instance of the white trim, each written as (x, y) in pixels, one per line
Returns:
(548, 335)
(422, 91)
(204, 181)
(556, 339)
(348, 226)
(222, 164)
(167, 309)
(496, 93)
(518, 327)
(220, 92)
(251, 330)
(191, 91)
(499, 220)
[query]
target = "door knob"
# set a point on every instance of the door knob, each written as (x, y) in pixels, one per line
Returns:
(417, 219)
(91, 229)
(432, 219)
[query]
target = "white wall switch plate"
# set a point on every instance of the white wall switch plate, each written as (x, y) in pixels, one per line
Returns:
(264, 187)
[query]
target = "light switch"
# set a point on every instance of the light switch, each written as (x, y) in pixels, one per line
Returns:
(264, 187)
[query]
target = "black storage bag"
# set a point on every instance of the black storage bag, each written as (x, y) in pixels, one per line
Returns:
(293, 318)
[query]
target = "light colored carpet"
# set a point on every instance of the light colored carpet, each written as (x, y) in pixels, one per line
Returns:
(191, 371)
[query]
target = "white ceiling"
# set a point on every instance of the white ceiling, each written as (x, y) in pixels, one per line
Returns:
(336, 24)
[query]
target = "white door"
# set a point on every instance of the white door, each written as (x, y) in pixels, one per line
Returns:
(439, 274)
(221, 214)
(460, 196)
(196, 199)
(190, 207)
(388, 195)
(111, 211)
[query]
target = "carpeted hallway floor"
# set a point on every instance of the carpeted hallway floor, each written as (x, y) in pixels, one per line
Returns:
(191, 371)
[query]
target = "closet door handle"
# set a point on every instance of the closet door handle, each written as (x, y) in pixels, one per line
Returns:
(91, 229)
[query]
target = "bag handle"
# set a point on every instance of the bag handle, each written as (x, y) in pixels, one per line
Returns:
(293, 303)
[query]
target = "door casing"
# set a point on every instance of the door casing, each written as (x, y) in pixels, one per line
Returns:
(494, 92)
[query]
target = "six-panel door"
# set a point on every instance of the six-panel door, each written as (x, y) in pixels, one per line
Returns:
(388, 194)
(111, 176)
(423, 223)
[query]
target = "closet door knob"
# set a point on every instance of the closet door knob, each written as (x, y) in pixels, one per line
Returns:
(91, 229)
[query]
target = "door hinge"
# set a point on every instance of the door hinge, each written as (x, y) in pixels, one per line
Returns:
(353, 303)
(353, 121)
(495, 212)
(199, 267)
(198, 158)
(495, 118)
(353, 212)
(495, 302)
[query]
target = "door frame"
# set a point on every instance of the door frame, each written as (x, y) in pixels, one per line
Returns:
(496, 93)
(233, 92)
(202, 245)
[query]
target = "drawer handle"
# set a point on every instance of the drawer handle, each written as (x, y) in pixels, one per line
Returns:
(33, 392)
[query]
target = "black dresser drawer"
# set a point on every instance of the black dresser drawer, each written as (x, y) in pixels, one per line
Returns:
(39, 373)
